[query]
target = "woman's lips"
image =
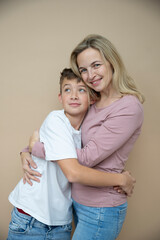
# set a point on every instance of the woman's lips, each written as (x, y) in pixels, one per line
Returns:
(96, 82)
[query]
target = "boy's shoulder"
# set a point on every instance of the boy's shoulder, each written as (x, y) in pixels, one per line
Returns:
(56, 118)
(56, 114)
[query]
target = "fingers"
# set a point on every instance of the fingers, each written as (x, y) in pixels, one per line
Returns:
(24, 180)
(129, 184)
(129, 173)
(27, 160)
(130, 192)
(30, 177)
(27, 179)
(32, 163)
(119, 190)
(30, 173)
(134, 180)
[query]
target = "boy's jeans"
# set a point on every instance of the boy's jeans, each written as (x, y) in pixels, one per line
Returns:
(24, 227)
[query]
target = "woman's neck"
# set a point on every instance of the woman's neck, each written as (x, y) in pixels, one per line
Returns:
(108, 98)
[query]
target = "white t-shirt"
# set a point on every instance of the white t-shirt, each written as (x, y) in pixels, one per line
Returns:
(50, 200)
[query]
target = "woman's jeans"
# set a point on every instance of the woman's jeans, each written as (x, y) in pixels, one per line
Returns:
(94, 223)
(24, 227)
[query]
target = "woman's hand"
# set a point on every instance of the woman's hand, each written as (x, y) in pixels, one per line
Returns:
(33, 139)
(29, 174)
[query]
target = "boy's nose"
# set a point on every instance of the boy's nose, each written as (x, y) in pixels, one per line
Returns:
(74, 95)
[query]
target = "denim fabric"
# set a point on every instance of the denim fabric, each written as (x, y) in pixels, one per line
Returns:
(94, 223)
(23, 227)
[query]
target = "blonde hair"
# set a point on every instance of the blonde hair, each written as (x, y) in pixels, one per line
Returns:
(121, 81)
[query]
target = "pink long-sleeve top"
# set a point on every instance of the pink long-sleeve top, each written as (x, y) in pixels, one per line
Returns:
(108, 136)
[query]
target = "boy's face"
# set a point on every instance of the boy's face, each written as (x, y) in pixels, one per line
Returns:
(74, 97)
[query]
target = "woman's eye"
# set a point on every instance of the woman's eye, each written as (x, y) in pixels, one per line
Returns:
(96, 65)
(83, 70)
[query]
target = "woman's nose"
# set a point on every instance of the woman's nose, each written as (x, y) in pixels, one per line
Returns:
(91, 73)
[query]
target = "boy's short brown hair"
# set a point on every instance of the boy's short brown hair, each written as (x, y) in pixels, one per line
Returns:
(69, 74)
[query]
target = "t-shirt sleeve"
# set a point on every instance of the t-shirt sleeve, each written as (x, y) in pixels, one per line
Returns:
(111, 135)
(57, 138)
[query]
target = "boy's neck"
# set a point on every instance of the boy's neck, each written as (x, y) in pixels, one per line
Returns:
(75, 120)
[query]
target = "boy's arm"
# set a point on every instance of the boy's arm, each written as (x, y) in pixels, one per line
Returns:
(74, 171)
(77, 173)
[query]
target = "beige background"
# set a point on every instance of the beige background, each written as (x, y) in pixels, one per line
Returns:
(36, 39)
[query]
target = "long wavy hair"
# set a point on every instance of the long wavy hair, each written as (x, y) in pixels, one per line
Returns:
(121, 81)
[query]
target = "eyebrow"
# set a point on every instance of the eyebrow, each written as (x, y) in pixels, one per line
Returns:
(82, 86)
(91, 63)
(68, 85)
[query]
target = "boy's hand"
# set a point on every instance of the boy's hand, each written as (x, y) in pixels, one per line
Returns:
(29, 174)
(33, 139)
(128, 184)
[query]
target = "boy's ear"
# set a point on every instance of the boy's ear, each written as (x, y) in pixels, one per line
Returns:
(60, 97)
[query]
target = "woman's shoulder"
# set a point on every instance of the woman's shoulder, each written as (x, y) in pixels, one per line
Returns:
(130, 105)
(132, 102)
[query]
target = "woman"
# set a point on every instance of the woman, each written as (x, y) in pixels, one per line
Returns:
(109, 132)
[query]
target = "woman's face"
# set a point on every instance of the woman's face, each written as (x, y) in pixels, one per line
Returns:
(95, 72)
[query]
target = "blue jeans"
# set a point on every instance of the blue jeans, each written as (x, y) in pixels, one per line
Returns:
(24, 227)
(93, 223)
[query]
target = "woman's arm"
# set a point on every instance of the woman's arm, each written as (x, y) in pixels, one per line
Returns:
(113, 133)
(35, 146)
(27, 161)
(75, 172)
(28, 173)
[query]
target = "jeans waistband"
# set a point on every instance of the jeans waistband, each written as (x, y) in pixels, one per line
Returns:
(21, 211)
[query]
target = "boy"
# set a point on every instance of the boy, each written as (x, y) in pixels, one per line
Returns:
(49, 201)
(44, 210)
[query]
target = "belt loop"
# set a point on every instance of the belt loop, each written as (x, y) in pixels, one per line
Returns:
(32, 222)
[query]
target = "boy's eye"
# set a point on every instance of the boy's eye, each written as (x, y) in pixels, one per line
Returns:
(67, 90)
(82, 90)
